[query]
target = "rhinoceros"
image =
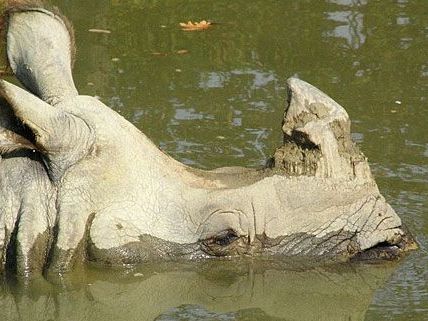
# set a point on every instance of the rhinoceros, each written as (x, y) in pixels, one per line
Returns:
(78, 182)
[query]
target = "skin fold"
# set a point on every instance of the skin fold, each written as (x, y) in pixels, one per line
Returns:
(78, 182)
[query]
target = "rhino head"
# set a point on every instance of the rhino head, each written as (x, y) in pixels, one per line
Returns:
(79, 182)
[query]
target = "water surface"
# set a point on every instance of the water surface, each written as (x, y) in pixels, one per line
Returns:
(216, 98)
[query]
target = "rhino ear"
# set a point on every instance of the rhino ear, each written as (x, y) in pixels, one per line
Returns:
(61, 137)
(29, 109)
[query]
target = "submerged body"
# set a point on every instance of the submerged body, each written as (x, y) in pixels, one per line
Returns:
(79, 182)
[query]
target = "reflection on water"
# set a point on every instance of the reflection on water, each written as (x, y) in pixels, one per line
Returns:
(213, 290)
(220, 103)
(352, 30)
(350, 22)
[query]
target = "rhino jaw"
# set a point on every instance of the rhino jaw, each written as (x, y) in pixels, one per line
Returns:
(391, 249)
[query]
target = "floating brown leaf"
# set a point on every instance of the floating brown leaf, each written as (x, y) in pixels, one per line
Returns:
(100, 31)
(195, 26)
(159, 53)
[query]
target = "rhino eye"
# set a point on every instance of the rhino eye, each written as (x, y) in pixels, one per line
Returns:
(225, 238)
(224, 243)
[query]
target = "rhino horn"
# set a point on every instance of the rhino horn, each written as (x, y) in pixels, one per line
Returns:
(317, 137)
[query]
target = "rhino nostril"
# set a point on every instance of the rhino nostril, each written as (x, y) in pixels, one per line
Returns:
(381, 251)
(390, 249)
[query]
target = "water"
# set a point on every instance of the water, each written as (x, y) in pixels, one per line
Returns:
(216, 98)
(225, 290)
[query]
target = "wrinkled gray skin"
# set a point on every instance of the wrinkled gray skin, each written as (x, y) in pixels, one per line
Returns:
(79, 182)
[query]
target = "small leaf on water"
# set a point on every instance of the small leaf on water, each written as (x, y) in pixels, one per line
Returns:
(100, 31)
(182, 51)
(195, 26)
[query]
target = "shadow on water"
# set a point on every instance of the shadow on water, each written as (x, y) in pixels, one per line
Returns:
(206, 290)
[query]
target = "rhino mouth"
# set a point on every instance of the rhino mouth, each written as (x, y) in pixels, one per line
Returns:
(388, 250)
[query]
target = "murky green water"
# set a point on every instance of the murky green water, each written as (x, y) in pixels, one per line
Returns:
(216, 98)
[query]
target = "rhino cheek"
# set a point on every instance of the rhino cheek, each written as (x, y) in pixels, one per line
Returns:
(125, 234)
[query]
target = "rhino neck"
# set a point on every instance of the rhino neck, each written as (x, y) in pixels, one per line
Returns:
(40, 52)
